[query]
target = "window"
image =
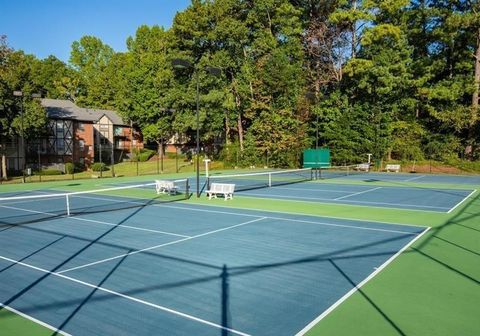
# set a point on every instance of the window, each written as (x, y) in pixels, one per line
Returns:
(104, 127)
(81, 126)
(118, 131)
(60, 146)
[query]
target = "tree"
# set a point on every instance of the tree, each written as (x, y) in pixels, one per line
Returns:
(90, 57)
(22, 116)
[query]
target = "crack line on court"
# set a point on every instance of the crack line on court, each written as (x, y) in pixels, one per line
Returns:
(161, 245)
(128, 297)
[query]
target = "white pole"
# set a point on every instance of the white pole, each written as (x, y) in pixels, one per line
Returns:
(369, 158)
(207, 161)
(68, 205)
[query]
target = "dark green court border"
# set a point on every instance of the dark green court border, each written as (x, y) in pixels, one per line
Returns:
(433, 288)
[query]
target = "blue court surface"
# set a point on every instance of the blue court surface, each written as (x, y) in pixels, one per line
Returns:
(183, 269)
(414, 178)
(425, 199)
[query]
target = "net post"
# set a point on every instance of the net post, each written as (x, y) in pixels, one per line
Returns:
(270, 180)
(187, 189)
(68, 205)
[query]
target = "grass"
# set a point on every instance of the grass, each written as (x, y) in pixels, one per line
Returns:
(433, 288)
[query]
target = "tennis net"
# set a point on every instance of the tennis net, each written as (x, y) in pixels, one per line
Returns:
(251, 181)
(16, 210)
(339, 171)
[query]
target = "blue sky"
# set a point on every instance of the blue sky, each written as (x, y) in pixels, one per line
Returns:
(49, 27)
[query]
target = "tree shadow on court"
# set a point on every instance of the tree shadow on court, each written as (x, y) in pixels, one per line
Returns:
(90, 295)
(111, 205)
(49, 273)
(223, 275)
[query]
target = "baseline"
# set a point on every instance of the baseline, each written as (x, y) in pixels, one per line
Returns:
(33, 319)
(357, 287)
(128, 297)
(462, 201)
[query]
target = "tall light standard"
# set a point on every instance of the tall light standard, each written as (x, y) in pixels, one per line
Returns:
(184, 64)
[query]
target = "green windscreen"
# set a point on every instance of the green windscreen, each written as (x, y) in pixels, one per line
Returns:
(316, 158)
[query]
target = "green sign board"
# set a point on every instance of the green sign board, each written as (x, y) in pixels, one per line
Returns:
(316, 158)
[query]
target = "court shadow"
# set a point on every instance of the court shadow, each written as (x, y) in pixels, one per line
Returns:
(379, 310)
(90, 295)
(225, 274)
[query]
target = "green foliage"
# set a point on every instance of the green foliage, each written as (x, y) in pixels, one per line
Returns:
(392, 78)
(50, 172)
(142, 155)
(407, 139)
(99, 166)
(69, 168)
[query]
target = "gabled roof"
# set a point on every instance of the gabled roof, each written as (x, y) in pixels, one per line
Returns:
(65, 109)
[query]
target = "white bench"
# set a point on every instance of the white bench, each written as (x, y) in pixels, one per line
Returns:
(226, 189)
(392, 168)
(363, 167)
(165, 187)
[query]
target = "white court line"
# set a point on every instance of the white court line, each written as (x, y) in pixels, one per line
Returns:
(357, 287)
(161, 245)
(357, 193)
(332, 201)
(414, 178)
(96, 221)
(286, 212)
(456, 206)
(33, 319)
(257, 216)
(315, 189)
(128, 297)
(313, 222)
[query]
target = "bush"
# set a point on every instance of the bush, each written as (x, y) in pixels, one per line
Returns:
(50, 172)
(142, 155)
(69, 168)
(99, 166)
(79, 167)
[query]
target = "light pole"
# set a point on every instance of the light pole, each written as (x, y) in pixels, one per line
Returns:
(184, 64)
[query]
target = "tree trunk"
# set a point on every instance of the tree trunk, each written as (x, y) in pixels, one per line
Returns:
(354, 33)
(477, 80)
(227, 129)
(239, 122)
(469, 150)
(3, 171)
(4, 167)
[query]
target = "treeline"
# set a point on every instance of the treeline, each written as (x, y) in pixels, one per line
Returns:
(398, 79)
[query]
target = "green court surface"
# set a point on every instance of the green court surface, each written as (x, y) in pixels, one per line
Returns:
(432, 288)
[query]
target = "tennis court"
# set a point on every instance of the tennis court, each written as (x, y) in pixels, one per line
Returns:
(157, 267)
(283, 185)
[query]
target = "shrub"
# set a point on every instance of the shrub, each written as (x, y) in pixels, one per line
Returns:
(79, 167)
(99, 166)
(145, 155)
(50, 172)
(69, 168)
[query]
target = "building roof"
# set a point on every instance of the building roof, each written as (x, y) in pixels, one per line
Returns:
(66, 109)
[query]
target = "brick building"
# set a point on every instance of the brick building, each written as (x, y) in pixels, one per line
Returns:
(82, 136)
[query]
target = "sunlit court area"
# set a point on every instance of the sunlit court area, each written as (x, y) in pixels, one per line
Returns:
(240, 168)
